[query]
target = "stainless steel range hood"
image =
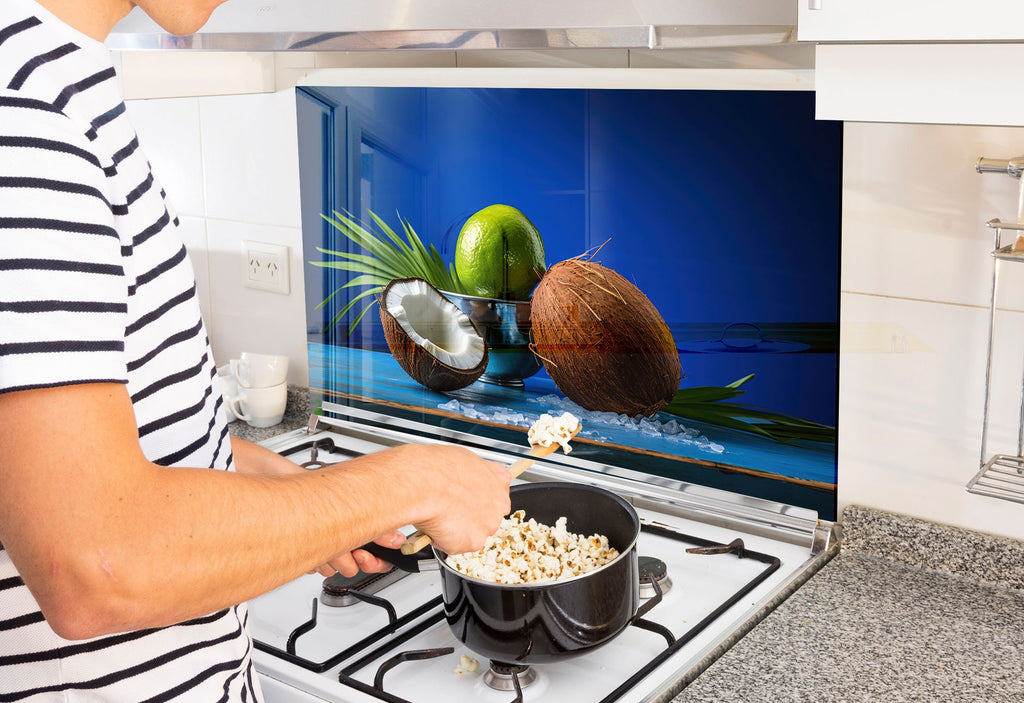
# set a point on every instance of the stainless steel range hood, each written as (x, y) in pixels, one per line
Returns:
(366, 25)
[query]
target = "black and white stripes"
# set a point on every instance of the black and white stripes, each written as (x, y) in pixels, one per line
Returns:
(96, 287)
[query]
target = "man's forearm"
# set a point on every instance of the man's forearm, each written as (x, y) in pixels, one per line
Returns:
(251, 458)
(108, 541)
(224, 538)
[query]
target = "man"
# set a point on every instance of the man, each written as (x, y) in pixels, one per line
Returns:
(124, 556)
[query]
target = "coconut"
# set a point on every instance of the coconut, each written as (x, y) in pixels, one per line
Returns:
(431, 339)
(602, 341)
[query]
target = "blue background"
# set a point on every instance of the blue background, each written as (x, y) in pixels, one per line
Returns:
(723, 207)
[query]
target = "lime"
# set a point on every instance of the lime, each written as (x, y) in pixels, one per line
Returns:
(499, 254)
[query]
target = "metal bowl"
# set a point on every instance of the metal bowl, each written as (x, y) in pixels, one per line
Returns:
(505, 325)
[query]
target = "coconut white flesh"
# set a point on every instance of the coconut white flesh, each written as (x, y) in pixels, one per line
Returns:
(436, 324)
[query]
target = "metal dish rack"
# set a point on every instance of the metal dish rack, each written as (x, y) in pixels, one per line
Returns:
(1001, 475)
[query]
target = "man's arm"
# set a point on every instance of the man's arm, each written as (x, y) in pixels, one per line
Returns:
(253, 459)
(107, 541)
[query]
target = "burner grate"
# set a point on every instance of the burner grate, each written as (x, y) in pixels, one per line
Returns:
(369, 640)
(384, 643)
(771, 563)
(342, 591)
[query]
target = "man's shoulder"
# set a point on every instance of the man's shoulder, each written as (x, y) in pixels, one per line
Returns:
(30, 123)
(30, 115)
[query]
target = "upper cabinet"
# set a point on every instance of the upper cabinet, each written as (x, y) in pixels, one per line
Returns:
(922, 61)
(910, 20)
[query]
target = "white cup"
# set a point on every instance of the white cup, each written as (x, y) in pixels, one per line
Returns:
(260, 407)
(260, 370)
(228, 387)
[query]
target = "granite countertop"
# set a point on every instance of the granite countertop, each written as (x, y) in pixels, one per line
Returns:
(296, 415)
(909, 610)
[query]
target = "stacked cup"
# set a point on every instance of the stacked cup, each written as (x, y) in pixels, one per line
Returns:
(261, 392)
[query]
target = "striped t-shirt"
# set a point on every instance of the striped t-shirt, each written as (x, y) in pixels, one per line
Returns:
(95, 286)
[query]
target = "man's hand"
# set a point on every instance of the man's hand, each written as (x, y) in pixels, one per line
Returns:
(252, 459)
(467, 495)
(351, 563)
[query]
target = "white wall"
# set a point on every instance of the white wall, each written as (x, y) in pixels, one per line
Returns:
(916, 280)
(230, 167)
(916, 274)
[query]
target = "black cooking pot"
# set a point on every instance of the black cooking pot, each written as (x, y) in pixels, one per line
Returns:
(542, 622)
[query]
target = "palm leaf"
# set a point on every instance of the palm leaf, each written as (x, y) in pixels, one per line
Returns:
(359, 263)
(387, 256)
(411, 254)
(721, 419)
(707, 394)
(407, 247)
(705, 404)
(432, 264)
(366, 280)
(326, 300)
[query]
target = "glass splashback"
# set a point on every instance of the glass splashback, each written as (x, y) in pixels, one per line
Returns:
(721, 208)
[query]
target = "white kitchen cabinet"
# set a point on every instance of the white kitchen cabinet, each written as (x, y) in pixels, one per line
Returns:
(910, 20)
(921, 61)
(968, 83)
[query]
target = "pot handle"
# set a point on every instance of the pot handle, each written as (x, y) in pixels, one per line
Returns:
(650, 603)
(414, 563)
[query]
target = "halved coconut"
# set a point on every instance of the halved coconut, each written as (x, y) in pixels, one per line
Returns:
(435, 342)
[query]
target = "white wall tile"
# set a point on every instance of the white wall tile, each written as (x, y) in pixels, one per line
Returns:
(250, 158)
(168, 130)
(244, 319)
(916, 280)
(168, 74)
(910, 421)
(914, 210)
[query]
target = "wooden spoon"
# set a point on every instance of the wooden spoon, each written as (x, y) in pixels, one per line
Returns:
(418, 540)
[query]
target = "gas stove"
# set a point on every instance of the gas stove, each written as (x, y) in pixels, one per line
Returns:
(712, 565)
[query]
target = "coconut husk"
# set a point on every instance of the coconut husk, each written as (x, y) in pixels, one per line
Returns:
(416, 361)
(602, 341)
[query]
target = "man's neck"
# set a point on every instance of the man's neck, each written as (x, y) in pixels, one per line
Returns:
(94, 18)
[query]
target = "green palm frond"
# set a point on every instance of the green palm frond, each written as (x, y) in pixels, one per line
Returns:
(386, 256)
(705, 404)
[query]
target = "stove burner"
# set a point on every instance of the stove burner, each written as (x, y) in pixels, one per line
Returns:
(321, 444)
(340, 591)
(501, 676)
(314, 463)
(652, 568)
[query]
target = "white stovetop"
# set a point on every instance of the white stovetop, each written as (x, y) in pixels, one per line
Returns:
(700, 584)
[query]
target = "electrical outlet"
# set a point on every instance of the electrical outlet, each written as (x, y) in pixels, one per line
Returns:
(265, 266)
